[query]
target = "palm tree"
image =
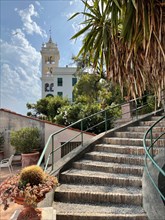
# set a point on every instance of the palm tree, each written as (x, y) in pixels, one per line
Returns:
(128, 38)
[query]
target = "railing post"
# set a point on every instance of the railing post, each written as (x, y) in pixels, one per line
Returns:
(82, 132)
(52, 152)
(136, 111)
(151, 141)
(105, 120)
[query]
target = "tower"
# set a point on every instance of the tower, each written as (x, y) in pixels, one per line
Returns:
(50, 57)
(56, 81)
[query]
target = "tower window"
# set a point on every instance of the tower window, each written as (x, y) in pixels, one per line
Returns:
(60, 94)
(59, 81)
(74, 81)
(51, 70)
(46, 87)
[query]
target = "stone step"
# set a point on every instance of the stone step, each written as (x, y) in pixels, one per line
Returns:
(75, 211)
(94, 194)
(115, 157)
(75, 176)
(123, 149)
(136, 134)
(145, 128)
(131, 141)
(150, 123)
(156, 118)
(108, 167)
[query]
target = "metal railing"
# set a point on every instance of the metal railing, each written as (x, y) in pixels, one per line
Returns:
(149, 154)
(109, 116)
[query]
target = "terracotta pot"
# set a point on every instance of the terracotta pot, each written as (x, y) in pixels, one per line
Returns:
(30, 159)
(21, 200)
(28, 212)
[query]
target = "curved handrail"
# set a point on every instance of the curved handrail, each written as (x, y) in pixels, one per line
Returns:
(82, 131)
(151, 156)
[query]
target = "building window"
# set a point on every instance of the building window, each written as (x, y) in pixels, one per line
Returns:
(60, 94)
(74, 81)
(49, 95)
(52, 87)
(46, 87)
(59, 82)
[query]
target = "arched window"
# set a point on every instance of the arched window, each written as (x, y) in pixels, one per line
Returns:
(46, 87)
(49, 95)
(52, 87)
(50, 59)
(51, 70)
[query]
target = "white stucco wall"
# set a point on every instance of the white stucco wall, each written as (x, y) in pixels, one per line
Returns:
(66, 73)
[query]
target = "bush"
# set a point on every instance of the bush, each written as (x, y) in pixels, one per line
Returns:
(25, 140)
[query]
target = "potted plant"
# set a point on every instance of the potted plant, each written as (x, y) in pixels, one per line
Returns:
(26, 141)
(27, 188)
(2, 140)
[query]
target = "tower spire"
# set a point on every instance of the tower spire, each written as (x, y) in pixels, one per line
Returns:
(50, 38)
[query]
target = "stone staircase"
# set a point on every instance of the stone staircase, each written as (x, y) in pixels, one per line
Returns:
(107, 182)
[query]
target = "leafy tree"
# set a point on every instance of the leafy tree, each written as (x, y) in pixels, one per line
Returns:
(54, 104)
(47, 106)
(69, 114)
(39, 108)
(127, 37)
(72, 113)
(92, 88)
(87, 86)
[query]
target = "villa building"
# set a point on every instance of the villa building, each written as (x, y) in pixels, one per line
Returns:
(56, 81)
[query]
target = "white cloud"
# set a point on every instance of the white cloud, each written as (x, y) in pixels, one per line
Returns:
(29, 25)
(73, 2)
(37, 3)
(77, 27)
(20, 72)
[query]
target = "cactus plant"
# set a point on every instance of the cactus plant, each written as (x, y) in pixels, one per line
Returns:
(34, 175)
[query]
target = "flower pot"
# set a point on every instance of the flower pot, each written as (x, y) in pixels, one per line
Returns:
(30, 159)
(21, 200)
(28, 211)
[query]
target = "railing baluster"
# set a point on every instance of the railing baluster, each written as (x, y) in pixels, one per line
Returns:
(53, 152)
(105, 120)
(151, 141)
(82, 132)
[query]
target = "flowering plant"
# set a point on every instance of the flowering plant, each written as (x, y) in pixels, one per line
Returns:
(32, 184)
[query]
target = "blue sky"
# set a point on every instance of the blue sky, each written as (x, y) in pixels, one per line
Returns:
(25, 26)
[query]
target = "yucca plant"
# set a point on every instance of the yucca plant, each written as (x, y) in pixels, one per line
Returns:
(126, 37)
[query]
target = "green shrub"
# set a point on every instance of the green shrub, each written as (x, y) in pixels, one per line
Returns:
(25, 140)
